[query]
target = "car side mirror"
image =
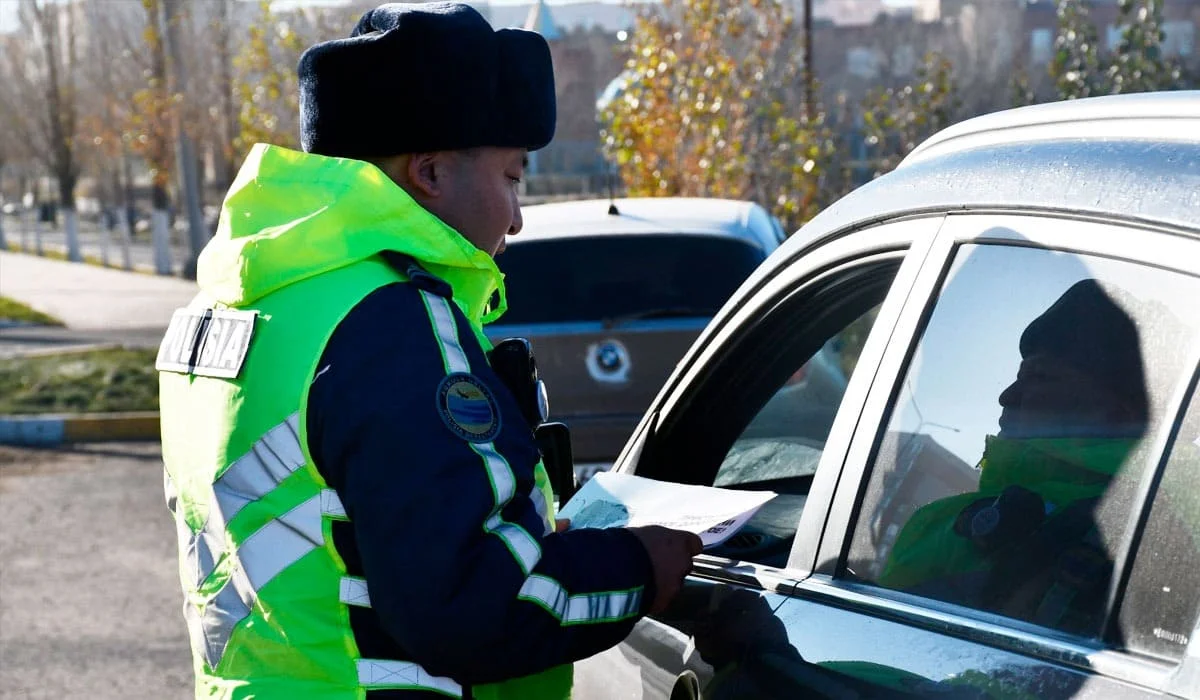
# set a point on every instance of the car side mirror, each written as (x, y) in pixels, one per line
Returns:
(554, 441)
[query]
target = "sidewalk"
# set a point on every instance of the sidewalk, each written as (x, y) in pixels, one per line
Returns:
(98, 305)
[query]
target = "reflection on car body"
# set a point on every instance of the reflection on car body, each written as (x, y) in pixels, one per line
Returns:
(990, 483)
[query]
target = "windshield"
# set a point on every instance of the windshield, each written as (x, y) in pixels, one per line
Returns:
(618, 279)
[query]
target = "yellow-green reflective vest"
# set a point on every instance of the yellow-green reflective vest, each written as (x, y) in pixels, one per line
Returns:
(266, 592)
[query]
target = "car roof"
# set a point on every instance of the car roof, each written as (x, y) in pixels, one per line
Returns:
(1156, 116)
(1133, 157)
(639, 216)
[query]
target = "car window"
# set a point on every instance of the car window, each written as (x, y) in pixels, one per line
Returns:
(786, 437)
(1007, 474)
(1162, 600)
(738, 427)
(623, 277)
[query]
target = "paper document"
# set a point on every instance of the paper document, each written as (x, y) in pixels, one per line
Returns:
(610, 499)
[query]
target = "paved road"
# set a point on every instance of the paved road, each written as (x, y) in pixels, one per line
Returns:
(90, 605)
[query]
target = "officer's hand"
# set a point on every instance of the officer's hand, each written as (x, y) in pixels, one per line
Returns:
(671, 553)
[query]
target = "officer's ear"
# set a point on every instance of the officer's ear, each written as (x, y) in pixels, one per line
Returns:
(426, 173)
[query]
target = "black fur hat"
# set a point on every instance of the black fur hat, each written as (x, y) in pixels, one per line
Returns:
(416, 78)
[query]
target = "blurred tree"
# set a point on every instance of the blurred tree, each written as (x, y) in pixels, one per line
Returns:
(230, 128)
(713, 107)
(17, 130)
(210, 33)
(1138, 64)
(1076, 67)
(112, 74)
(50, 72)
(1021, 89)
(151, 120)
(897, 120)
(266, 83)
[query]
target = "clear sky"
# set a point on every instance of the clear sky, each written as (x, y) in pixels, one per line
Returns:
(8, 15)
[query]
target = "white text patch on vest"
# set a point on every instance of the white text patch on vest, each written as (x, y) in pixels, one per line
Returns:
(208, 343)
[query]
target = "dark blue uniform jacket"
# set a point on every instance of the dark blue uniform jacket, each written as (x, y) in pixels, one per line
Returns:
(447, 588)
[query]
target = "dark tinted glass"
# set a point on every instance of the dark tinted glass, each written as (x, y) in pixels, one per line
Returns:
(618, 278)
(1163, 598)
(1005, 480)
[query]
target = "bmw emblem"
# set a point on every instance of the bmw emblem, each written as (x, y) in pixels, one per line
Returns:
(608, 357)
(608, 362)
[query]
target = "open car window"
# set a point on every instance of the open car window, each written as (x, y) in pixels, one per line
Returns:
(760, 418)
(785, 439)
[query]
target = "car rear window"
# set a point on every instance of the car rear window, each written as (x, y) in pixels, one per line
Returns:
(623, 277)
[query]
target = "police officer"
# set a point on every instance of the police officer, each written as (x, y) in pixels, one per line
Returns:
(361, 503)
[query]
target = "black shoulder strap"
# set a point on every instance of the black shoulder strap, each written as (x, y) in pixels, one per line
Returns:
(418, 275)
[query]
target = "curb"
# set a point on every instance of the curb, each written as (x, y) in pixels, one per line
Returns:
(59, 351)
(51, 430)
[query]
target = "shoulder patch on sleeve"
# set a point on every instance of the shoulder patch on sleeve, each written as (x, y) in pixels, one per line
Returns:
(208, 342)
(468, 408)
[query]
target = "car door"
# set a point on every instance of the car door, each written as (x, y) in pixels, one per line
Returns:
(766, 400)
(1015, 516)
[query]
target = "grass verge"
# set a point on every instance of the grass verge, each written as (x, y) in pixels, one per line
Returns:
(96, 381)
(13, 310)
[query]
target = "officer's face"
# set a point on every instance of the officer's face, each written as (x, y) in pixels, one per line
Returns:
(479, 196)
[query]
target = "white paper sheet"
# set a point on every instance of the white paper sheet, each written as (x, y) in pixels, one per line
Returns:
(610, 499)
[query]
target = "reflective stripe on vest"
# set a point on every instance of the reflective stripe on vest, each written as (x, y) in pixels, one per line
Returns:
(582, 608)
(377, 673)
(268, 551)
(353, 591)
(542, 590)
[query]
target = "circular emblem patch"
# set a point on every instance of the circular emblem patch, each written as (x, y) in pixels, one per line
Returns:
(468, 408)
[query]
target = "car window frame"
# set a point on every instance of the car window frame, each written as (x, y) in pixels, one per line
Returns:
(1184, 680)
(1161, 247)
(905, 238)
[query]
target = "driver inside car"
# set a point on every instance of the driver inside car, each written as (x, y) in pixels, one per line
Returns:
(1025, 544)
